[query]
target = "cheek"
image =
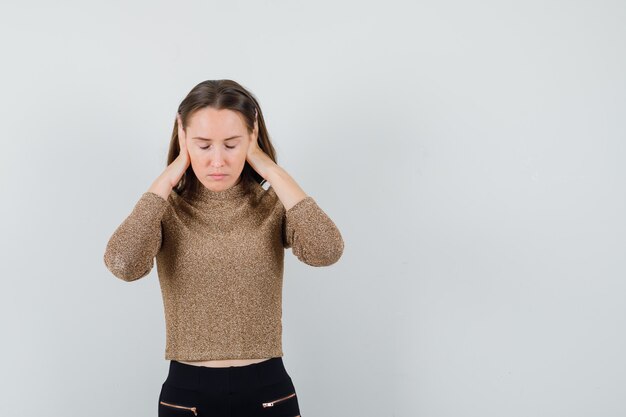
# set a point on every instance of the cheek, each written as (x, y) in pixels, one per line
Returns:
(240, 151)
(195, 155)
(241, 156)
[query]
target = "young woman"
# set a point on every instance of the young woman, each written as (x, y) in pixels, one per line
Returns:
(219, 238)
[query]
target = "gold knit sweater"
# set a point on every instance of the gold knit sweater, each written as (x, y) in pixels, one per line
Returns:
(220, 258)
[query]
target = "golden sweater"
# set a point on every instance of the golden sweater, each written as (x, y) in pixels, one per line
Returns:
(220, 257)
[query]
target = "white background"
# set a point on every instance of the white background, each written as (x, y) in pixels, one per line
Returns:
(471, 153)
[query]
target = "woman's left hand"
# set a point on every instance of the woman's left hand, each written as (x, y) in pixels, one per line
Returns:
(255, 156)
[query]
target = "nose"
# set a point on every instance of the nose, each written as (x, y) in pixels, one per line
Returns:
(217, 160)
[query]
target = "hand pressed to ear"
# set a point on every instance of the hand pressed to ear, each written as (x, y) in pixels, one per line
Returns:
(256, 157)
(174, 171)
(182, 141)
(254, 137)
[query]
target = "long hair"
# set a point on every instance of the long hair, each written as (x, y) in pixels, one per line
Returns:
(220, 94)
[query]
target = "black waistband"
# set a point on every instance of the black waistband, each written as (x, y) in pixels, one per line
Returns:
(231, 378)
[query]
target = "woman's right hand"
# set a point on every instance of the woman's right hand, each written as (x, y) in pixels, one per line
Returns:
(183, 155)
(174, 172)
(183, 159)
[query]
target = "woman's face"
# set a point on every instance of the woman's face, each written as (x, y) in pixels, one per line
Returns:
(217, 141)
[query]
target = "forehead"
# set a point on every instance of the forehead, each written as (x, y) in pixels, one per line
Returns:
(214, 124)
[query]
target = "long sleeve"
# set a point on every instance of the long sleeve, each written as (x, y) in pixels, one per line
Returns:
(312, 235)
(130, 252)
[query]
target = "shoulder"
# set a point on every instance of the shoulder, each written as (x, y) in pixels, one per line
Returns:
(177, 203)
(264, 197)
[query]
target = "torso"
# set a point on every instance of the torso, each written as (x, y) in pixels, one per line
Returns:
(222, 363)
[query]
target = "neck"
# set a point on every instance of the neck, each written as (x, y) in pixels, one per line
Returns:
(234, 191)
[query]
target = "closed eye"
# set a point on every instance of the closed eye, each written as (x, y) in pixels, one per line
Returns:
(207, 147)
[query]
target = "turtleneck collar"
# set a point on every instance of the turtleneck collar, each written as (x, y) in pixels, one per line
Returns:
(205, 194)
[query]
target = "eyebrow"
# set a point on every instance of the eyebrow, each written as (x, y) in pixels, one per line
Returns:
(207, 139)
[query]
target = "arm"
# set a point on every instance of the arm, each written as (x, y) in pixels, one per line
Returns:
(312, 235)
(130, 252)
(307, 229)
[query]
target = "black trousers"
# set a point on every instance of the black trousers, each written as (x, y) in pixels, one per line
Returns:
(258, 389)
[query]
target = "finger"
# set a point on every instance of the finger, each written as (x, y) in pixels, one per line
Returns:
(182, 141)
(181, 131)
